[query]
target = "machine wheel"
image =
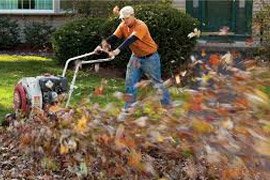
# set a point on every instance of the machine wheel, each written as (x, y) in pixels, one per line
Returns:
(20, 100)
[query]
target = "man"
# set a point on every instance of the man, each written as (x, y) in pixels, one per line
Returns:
(144, 59)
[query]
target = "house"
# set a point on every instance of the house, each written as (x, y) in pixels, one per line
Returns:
(232, 16)
(25, 11)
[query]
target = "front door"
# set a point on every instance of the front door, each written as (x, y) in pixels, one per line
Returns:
(215, 14)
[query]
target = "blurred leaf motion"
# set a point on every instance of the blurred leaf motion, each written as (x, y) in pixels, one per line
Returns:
(218, 127)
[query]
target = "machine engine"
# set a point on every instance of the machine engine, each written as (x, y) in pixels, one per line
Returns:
(38, 92)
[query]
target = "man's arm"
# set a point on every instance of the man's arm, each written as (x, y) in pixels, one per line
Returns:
(128, 42)
(125, 44)
(112, 39)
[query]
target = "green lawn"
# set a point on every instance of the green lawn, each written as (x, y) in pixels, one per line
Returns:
(13, 68)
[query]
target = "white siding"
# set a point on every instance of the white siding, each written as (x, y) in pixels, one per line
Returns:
(179, 4)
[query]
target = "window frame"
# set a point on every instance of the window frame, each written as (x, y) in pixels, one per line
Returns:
(55, 10)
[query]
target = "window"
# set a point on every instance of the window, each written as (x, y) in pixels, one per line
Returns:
(26, 4)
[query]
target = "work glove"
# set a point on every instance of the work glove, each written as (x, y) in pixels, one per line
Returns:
(98, 49)
(105, 45)
(114, 52)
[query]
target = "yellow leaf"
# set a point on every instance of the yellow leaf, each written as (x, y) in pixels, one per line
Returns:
(263, 147)
(201, 126)
(157, 137)
(81, 125)
(263, 96)
(266, 129)
(63, 149)
(227, 124)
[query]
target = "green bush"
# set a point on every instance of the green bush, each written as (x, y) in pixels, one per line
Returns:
(103, 8)
(38, 35)
(9, 33)
(262, 21)
(77, 37)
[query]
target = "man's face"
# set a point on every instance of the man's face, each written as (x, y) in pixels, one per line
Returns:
(128, 20)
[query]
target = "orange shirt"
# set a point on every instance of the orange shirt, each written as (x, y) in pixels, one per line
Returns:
(145, 44)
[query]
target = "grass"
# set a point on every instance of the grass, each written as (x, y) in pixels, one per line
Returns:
(13, 68)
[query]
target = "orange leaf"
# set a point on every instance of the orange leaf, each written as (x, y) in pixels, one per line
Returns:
(99, 91)
(105, 138)
(134, 159)
(26, 139)
(232, 173)
(129, 143)
(241, 102)
(195, 103)
(120, 144)
(214, 59)
(222, 111)
(241, 130)
(55, 108)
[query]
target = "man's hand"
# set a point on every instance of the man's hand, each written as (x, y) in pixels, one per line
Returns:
(98, 49)
(105, 45)
(114, 52)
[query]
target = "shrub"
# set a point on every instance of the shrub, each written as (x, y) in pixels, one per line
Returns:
(262, 20)
(38, 35)
(9, 33)
(103, 8)
(77, 37)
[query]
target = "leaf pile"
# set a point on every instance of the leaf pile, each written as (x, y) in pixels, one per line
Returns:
(218, 128)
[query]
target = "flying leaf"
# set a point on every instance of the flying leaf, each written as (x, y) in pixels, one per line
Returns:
(227, 58)
(228, 124)
(116, 10)
(195, 33)
(201, 126)
(63, 149)
(224, 31)
(141, 122)
(262, 147)
(142, 84)
(134, 159)
(81, 125)
(214, 59)
(97, 67)
(203, 53)
(55, 108)
(99, 91)
(249, 41)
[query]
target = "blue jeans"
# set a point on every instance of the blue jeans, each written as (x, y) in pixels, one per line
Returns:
(150, 66)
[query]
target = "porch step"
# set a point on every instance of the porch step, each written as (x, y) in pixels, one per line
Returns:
(241, 46)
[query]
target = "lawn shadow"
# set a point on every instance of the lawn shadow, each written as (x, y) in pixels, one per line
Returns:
(29, 67)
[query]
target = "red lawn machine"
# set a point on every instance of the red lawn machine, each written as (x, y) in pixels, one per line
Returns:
(43, 91)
